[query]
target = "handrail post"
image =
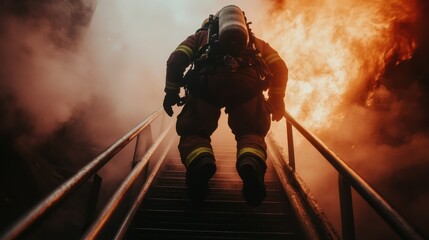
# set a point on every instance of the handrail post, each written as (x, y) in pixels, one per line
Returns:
(346, 207)
(92, 201)
(162, 124)
(290, 147)
(142, 145)
(149, 142)
(136, 155)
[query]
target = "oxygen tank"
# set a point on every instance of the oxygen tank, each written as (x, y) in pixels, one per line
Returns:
(233, 33)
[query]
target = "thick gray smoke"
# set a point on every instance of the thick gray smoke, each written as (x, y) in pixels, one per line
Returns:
(41, 76)
(76, 76)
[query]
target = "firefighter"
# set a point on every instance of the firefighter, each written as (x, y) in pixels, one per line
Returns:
(228, 71)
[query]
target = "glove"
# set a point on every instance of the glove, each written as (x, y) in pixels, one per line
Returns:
(170, 100)
(277, 107)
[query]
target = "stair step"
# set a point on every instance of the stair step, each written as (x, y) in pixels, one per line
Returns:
(214, 217)
(239, 206)
(215, 193)
(256, 226)
(220, 221)
(150, 233)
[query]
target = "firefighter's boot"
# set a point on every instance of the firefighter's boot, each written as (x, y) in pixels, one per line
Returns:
(198, 174)
(252, 171)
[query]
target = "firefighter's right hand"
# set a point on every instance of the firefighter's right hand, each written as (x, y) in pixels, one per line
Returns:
(170, 100)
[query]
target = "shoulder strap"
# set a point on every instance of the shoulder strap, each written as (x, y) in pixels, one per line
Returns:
(201, 29)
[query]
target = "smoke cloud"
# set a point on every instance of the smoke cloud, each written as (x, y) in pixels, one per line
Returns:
(76, 76)
(43, 85)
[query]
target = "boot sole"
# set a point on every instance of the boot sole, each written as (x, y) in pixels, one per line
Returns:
(253, 189)
(198, 188)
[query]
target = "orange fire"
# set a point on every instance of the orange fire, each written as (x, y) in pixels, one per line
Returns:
(335, 49)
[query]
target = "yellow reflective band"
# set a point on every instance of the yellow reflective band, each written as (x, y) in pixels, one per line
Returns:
(185, 49)
(253, 151)
(272, 58)
(197, 152)
(171, 85)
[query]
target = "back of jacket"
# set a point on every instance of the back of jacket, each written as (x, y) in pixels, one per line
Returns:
(215, 82)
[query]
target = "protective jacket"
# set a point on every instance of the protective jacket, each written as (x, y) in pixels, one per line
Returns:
(190, 49)
(214, 85)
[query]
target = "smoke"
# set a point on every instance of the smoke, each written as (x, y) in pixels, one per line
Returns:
(38, 65)
(76, 76)
(41, 76)
(384, 138)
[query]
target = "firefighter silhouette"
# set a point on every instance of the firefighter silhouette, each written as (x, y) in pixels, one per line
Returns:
(230, 68)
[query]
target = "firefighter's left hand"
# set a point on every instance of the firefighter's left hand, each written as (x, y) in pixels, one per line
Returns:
(170, 100)
(277, 107)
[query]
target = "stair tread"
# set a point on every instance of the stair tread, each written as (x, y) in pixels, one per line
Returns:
(156, 233)
(238, 206)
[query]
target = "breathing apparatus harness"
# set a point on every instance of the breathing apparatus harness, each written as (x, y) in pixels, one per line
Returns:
(211, 52)
(210, 56)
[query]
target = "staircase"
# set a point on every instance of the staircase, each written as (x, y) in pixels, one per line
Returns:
(161, 208)
(167, 213)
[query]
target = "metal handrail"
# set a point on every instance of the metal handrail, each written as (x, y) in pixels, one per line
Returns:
(119, 195)
(142, 194)
(298, 206)
(312, 220)
(60, 194)
(396, 222)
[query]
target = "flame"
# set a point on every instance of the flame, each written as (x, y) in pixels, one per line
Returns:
(336, 49)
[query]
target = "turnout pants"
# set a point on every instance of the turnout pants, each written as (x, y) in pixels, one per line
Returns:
(249, 122)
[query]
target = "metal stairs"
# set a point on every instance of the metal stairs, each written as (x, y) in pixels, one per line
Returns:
(167, 213)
